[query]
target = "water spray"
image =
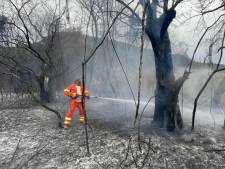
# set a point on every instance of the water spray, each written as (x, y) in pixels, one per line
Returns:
(117, 99)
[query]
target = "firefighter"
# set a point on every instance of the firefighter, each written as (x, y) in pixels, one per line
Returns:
(74, 91)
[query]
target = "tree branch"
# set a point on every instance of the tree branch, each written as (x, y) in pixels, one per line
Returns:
(131, 10)
(175, 3)
(107, 32)
(168, 18)
(206, 83)
(212, 10)
(141, 61)
(203, 35)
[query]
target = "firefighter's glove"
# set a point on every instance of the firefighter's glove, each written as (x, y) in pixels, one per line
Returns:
(74, 95)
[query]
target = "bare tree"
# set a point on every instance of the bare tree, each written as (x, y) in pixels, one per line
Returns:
(167, 112)
(36, 31)
(29, 45)
(218, 30)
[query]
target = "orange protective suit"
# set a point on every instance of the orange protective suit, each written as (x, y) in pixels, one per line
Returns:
(74, 91)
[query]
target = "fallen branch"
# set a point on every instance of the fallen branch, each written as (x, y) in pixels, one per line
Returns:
(48, 108)
(147, 154)
(15, 151)
(215, 150)
(127, 153)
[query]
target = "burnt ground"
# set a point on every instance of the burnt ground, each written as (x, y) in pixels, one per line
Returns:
(29, 138)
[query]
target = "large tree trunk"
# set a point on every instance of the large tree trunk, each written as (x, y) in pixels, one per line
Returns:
(167, 112)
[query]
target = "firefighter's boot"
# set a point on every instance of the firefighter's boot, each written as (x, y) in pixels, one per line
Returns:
(65, 126)
(67, 121)
(81, 119)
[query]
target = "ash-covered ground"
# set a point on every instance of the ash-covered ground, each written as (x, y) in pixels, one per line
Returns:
(30, 138)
